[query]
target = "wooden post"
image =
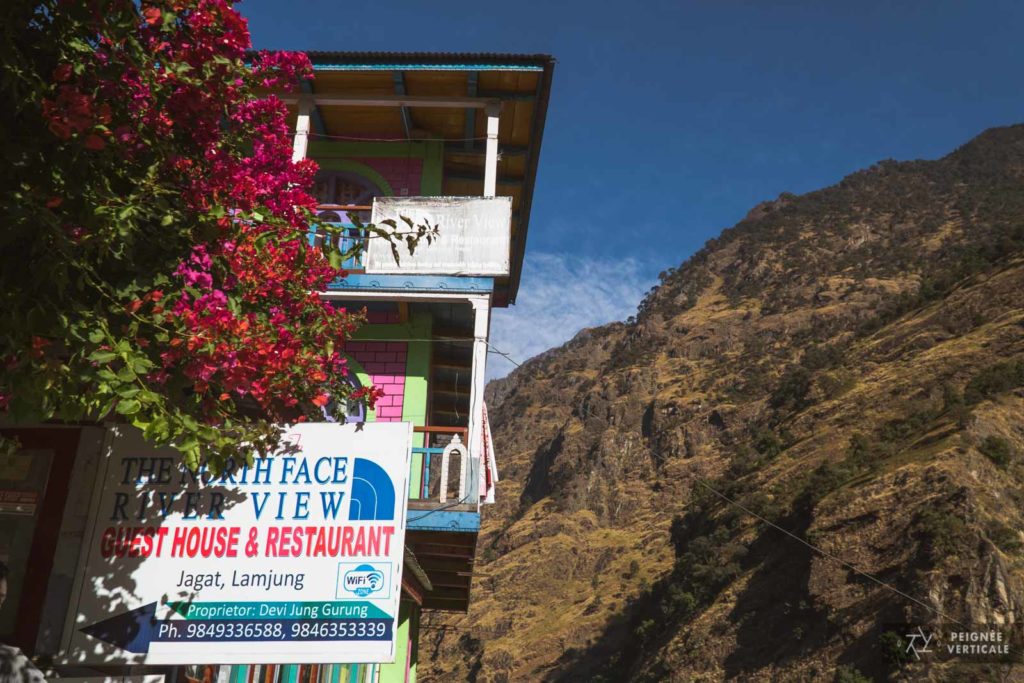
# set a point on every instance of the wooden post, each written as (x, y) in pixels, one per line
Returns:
(301, 142)
(482, 312)
(491, 159)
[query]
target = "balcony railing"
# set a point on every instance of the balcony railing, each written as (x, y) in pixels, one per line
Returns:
(474, 235)
(447, 475)
(351, 239)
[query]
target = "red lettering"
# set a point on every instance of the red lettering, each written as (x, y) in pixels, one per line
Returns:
(178, 544)
(346, 541)
(286, 538)
(107, 542)
(360, 545)
(310, 537)
(161, 533)
(321, 547)
(271, 549)
(231, 549)
(373, 541)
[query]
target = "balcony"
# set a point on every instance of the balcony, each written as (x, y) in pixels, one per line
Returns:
(472, 247)
(443, 516)
(444, 482)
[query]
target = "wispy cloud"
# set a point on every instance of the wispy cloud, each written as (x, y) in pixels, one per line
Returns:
(558, 297)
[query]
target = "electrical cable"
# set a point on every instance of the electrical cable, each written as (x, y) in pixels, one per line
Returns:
(824, 553)
(440, 508)
(455, 340)
(827, 554)
(354, 138)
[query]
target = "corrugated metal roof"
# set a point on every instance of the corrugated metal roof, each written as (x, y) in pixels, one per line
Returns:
(429, 56)
(441, 61)
(541, 64)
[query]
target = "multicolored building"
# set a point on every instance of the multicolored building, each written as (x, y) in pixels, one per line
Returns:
(452, 139)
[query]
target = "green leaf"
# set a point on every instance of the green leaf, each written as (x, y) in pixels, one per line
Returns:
(102, 356)
(141, 365)
(129, 407)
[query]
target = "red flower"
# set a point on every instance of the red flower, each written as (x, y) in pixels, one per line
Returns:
(321, 400)
(39, 345)
(94, 142)
(62, 73)
(60, 128)
(152, 15)
(54, 202)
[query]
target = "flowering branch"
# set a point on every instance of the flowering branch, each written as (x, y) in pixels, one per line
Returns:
(155, 263)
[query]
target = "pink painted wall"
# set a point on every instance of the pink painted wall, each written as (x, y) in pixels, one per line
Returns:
(382, 317)
(402, 174)
(384, 362)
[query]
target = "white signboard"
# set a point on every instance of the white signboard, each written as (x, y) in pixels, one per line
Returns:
(295, 559)
(475, 236)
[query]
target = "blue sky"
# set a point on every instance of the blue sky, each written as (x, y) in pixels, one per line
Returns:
(669, 120)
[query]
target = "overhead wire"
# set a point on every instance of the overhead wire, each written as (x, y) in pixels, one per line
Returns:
(355, 138)
(464, 340)
(821, 551)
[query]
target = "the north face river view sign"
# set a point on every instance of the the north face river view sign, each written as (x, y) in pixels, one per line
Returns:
(293, 559)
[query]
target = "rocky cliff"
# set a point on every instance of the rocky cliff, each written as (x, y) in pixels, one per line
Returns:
(844, 366)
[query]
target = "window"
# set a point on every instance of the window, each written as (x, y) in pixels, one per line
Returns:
(355, 410)
(336, 190)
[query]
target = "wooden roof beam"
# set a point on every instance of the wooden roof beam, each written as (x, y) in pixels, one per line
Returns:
(396, 101)
(457, 334)
(448, 389)
(508, 95)
(481, 150)
(440, 565)
(427, 549)
(452, 363)
(447, 593)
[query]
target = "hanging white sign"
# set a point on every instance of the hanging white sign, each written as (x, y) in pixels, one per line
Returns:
(474, 236)
(294, 559)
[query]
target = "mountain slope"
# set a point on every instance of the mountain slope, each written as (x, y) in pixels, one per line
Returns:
(846, 365)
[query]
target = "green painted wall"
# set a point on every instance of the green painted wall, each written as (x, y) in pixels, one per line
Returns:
(414, 634)
(340, 156)
(416, 333)
(364, 380)
(395, 673)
